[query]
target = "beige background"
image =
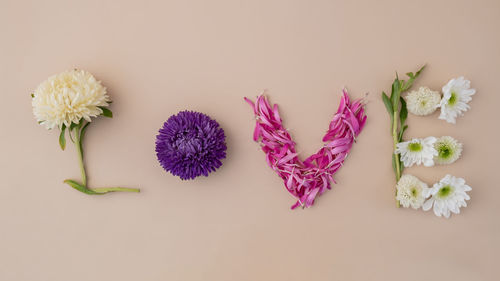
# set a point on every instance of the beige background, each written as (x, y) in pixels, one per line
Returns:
(157, 58)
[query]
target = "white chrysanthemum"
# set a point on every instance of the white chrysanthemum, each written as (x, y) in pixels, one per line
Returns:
(449, 150)
(417, 151)
(456, 94)
(423, 102)
(68, 97)
(411, 191)
(449, 194)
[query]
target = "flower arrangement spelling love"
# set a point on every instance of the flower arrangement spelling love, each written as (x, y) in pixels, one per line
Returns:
(450, 193)
(307, 179)
(68, 101)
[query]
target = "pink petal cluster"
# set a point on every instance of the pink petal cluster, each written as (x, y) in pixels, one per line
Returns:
(309, 178)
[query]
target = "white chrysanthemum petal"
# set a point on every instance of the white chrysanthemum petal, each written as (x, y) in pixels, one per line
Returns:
(417, 151)
(422, 102)
(68, 97)
(449, 150)
(411, 192)
(448, 196)
(428, 204)
(456, 95)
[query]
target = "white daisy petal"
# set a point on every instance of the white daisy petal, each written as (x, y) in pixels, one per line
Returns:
(417, 151)
(428, 204)
(448, 195)
(456, 95)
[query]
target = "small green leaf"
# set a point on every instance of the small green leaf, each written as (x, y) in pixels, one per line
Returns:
(408, 84)
(81, 188)
(403, 114)
(420, 70)
(106, 112)
(387, 104)
(32, 95)
(62, 137)
(82, 132)
(70, 132)
(401, 132)
(395, 94)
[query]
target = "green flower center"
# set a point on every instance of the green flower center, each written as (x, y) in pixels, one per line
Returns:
(453, 99)
(444, 151)
(414, 192)
(414, 146)
(445, 191)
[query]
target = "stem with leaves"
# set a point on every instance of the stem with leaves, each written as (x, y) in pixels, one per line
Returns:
(396, 107)
(79, 132)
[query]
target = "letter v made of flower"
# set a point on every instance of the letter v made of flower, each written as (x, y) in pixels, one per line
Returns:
(307, 179)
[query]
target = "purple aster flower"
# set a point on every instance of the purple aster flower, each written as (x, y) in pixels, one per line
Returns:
(190, 144)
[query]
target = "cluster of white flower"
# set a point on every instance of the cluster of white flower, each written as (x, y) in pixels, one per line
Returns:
(447, 195)
(429, 151)
(457, 93)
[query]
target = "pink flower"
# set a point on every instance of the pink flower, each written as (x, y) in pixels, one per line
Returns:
(309, 178)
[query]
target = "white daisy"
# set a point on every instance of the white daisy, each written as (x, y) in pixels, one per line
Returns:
(456, 94)
(449, 150)
(411, 191)
(422, 102)
(417, 151)
(448, 195)
(68, 97)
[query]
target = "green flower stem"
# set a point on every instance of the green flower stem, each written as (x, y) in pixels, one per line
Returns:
(79, 150)
(112, 189)
(82, 187)
(396, 155)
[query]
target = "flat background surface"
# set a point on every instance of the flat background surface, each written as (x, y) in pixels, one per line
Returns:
(157, 58)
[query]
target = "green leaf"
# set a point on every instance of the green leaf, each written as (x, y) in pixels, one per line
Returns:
(70, 131)
(403, 114)
(32, 95)
(62, 137)
(82, 132)
(106, 112)
(394, 163)
(401, 132)
(387, 104)
(81, 188)
(408, 84)
(420, 70)
(395, 94)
